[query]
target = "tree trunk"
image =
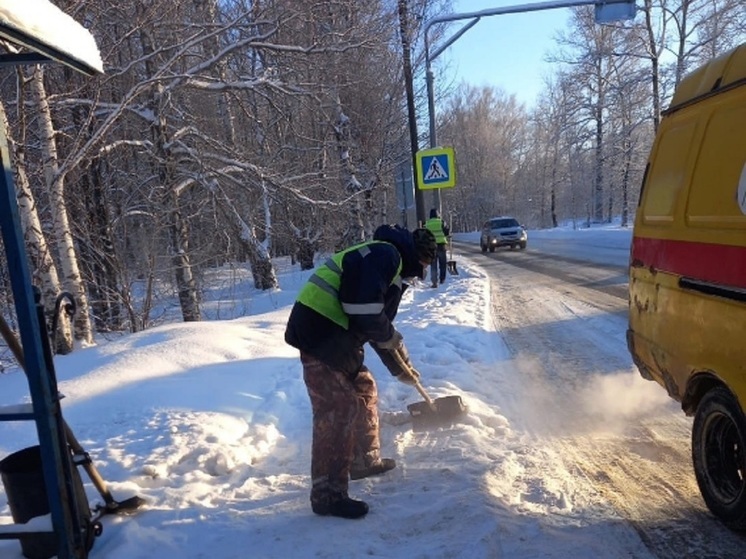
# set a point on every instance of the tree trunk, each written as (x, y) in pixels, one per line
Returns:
(654, 64)
(262, 269)
(305, 254)
(71, 277)
(355, 232)
(627, 165)
(185, 283)
(99, 254)
(598, 185)
(43, 267)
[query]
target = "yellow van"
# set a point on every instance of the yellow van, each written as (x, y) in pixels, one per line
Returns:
(687, 284)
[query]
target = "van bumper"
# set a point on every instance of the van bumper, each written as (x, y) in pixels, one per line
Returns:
(642, 352)
(639, 363)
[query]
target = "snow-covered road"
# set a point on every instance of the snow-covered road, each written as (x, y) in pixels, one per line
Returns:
(595, 436)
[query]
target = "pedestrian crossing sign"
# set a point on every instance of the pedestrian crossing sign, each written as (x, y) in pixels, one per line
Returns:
(436, 168)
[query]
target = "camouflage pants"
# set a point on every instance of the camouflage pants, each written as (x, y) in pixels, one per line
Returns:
(345, 425)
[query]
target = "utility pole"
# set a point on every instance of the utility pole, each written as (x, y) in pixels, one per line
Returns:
(409, 84)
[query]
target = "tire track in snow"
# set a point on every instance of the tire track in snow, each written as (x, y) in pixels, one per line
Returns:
(579, 400)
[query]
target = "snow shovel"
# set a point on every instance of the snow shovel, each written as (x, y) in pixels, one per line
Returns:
(79, 456)
(431, 413)
(111, 505)
(451, 263)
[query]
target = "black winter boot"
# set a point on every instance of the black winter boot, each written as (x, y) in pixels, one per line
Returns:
(341, 506)
(380, 467)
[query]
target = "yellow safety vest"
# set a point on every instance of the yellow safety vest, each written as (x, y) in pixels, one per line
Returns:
(321, 291)
(435, 224)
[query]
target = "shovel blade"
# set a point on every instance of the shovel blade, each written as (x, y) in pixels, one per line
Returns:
(451, 267)
(445, 411)
(127, 506)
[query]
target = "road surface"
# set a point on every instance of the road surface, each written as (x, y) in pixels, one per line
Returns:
(562, 314)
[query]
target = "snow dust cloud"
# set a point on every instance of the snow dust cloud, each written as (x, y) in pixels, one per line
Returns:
(624, 397)
(552, 398)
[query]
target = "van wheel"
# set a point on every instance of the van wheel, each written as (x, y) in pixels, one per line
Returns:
(719, 456)
(492, 249)
(522, 246)
(483, 247)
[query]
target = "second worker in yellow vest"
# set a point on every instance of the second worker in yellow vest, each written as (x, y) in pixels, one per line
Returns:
(441, 231)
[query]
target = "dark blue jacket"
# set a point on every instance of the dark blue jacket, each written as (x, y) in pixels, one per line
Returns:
(365, 279)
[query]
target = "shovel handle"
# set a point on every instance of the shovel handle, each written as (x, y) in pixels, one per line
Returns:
(407, 367)
(422, 392)
(425, 395)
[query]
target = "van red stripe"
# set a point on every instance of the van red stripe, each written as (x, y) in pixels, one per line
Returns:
(721, 264)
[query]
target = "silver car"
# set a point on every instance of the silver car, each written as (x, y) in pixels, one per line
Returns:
(502, 231)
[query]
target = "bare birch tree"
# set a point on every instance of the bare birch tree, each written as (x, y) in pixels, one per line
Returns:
(72, 280)
(43, 266)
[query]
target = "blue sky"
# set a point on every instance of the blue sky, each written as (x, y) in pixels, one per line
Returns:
(505, 51)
